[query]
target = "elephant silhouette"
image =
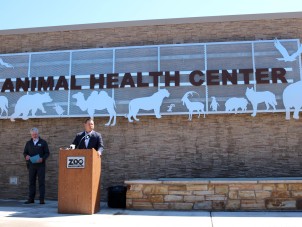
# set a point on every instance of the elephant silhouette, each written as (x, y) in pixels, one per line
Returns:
(292, 98)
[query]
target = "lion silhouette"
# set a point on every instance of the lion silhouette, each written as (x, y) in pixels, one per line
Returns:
(152, 102)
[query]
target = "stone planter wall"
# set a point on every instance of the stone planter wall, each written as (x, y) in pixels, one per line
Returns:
(215, 194)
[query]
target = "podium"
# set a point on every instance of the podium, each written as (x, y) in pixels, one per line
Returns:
(79, 181)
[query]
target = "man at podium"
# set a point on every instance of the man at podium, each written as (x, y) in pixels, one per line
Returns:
(80, 173)
(89, 138)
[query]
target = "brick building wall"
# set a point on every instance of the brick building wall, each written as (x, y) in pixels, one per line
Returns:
(217, 146)
(152, 35)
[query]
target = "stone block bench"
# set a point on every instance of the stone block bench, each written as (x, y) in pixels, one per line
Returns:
(215, 194)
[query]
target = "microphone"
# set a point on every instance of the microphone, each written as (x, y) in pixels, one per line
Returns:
(86, 137)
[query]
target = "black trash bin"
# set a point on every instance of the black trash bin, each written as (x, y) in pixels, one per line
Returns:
(117, 196)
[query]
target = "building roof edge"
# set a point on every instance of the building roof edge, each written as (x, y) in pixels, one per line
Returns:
(188, 20)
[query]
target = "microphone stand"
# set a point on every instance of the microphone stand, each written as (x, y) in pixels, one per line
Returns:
(86, 136)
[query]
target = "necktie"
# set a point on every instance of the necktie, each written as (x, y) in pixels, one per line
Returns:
(86, 141)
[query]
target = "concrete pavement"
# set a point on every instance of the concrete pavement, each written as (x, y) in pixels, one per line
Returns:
(14, 214)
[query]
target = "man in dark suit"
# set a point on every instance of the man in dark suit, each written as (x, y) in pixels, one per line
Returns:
(36, 147)
(89, 138)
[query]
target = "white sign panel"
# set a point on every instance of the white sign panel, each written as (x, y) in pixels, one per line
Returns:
(75, 162)
(179, 79)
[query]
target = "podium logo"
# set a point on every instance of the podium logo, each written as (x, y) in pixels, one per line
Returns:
(76, 162)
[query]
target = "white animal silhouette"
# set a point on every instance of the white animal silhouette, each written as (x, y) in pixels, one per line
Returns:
(192, 106)
(27, 103)
(59, 109)
(152, 102)
(5, 64)
(97, 101)
(292, 97)
(236, 103)
(255, 98)
(284, 52)
(3, 105)
(214, 104)
(170, 107)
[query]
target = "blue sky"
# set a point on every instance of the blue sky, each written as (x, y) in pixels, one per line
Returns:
(41, 13)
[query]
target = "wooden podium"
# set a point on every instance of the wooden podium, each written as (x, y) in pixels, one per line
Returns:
(79, 181)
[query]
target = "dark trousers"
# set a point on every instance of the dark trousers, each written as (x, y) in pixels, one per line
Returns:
(34, 171)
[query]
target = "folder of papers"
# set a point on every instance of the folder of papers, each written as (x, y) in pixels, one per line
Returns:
(34, 159)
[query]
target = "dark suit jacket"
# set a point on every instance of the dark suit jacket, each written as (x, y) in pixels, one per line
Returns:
(95, 141)
(41, 148)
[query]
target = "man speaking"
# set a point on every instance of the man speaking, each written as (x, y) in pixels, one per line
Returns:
(89, 138)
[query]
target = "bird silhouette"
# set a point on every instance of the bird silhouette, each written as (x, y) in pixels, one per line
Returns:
(170, 107)
(5, 64)
(59, 109)
(284, 52)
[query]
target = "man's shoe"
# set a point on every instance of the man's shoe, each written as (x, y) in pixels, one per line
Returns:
(42, 201)
(29, 201)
